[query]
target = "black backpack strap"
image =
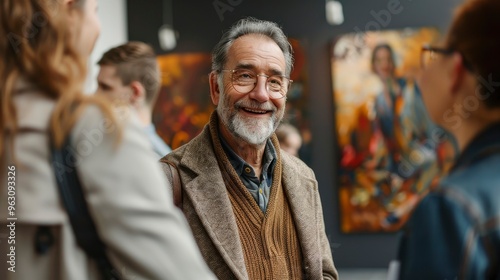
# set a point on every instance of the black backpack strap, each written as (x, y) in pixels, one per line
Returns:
(74, 201)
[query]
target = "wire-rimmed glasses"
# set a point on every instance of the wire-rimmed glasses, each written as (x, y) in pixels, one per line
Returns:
(245, 80)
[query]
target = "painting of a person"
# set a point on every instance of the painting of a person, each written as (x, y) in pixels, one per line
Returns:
(401, 132)
(390, 151)
(454, 232)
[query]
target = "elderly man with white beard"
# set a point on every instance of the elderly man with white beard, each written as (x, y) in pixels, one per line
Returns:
(254, 210)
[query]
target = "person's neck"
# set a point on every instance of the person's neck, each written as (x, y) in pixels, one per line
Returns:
(471, 127)
(250, 153)
(144, 114)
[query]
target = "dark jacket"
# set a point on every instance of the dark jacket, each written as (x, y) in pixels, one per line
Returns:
(454, 233)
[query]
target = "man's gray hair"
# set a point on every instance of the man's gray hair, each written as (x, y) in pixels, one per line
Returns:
(247, 26)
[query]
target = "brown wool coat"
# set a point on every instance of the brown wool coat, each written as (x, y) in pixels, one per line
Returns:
(209, 212)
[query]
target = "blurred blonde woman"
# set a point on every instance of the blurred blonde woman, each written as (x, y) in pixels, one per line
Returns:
(44, 48)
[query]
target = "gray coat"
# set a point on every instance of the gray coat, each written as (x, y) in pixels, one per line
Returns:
(146, 236)
(209, 212)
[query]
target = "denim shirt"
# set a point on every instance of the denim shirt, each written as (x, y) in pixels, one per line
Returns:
(260, 188)
(454, 233)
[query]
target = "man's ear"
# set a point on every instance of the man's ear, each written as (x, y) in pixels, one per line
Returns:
(138, 95)
(214, 88)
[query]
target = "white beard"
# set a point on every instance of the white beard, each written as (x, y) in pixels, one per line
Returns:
(255, 131)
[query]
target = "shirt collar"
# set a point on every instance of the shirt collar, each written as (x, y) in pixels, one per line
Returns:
(150, 128)
(269, 157)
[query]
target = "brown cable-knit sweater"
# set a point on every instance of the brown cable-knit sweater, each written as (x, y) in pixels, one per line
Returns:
(270, 244)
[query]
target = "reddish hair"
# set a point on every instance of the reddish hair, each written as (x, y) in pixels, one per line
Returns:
(475, 33)
(37, 47)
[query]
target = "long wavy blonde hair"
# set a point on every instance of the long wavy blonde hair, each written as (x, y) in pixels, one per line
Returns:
(37, 46)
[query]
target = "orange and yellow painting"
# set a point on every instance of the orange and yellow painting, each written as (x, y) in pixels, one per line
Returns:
(391, 153)
(183, 106)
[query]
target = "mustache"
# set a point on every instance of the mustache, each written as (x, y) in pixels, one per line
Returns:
(268, 106)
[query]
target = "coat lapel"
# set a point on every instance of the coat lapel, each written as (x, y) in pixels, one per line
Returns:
(300, 190)
(209, 196)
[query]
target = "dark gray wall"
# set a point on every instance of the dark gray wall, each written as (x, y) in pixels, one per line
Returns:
(200, 26)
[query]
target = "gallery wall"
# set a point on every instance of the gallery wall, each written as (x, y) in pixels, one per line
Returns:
(112, 15)
(200, 23)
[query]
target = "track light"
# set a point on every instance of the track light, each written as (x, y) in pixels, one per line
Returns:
(167, 36)
(334, 12)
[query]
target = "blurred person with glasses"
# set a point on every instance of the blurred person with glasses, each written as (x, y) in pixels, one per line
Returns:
(454, 232)
(254, 210)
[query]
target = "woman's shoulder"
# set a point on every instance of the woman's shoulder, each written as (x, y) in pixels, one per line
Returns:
(33, 109)
(94, 125)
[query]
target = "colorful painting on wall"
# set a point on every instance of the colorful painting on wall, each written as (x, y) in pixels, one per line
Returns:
(297, 112)
(391, 154)
(184, 105)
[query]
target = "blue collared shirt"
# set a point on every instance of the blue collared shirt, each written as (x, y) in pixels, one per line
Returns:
(159, 147)
(260, 188)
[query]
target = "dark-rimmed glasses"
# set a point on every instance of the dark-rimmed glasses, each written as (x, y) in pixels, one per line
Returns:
(430, 53)
(245, 80)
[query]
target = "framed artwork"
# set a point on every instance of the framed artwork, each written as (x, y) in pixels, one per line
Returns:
(184, 106)
(391, 153)
(297, 113)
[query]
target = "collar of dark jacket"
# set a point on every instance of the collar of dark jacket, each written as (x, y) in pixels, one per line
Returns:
(484, 144)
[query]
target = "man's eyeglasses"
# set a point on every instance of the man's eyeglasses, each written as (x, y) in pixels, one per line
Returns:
(430, 53)
(245, 80)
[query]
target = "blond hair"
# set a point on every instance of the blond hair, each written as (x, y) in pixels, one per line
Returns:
(39, 49)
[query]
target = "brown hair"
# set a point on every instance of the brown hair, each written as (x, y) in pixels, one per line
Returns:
(391, 55)
(135, 61)
(38, 49)
(474, 33)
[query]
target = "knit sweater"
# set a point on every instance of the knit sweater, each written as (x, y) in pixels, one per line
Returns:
(269, 240)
